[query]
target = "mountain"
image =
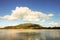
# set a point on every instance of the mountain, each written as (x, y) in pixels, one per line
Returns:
(25, 26)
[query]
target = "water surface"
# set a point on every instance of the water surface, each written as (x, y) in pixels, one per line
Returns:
(29, 34)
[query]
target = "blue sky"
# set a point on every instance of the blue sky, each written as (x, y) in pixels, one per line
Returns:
(45, 6)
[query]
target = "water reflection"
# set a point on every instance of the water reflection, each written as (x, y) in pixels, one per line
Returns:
(30, 35)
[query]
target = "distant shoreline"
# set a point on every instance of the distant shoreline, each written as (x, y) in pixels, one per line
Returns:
(31, 29)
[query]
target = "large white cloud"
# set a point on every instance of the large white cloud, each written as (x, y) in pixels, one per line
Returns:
(26, 14)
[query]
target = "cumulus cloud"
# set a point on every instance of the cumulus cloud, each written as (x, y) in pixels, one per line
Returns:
(53, 24)
(50, 15)
(26, 14)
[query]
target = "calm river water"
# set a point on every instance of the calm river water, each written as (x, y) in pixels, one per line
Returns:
(43, 34)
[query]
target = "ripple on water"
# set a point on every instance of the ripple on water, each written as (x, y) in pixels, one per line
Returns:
(30, 35)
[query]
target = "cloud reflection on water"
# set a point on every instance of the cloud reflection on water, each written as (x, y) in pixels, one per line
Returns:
(32, 35)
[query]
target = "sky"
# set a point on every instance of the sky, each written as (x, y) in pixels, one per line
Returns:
(42, 12)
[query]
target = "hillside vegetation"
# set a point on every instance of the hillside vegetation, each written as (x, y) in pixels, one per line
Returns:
(25, 26)
(29, 26)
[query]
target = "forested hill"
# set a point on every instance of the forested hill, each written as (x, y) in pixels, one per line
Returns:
(25, 26)
(29, 26)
